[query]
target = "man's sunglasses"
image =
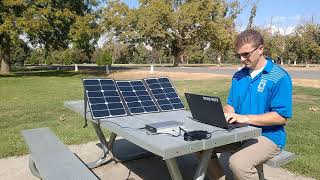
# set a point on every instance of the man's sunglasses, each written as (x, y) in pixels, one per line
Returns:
(245, 55)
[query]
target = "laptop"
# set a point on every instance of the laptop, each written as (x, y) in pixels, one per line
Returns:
(208, 110)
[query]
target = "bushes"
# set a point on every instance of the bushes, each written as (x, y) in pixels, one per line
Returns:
(104, 58)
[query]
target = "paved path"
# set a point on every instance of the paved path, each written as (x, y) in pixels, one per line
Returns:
(153, 168)
(294, 73)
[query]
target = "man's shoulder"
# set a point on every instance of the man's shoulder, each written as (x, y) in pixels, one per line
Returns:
(276, 73)
(242, 72)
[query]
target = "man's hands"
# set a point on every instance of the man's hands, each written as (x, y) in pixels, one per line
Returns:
(233, 117)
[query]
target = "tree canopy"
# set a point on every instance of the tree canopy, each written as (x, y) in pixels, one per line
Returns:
(173, 24)
(50, 24)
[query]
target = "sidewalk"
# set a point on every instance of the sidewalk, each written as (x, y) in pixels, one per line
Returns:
(153, 168)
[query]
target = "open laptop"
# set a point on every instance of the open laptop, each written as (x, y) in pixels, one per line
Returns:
(208, 110)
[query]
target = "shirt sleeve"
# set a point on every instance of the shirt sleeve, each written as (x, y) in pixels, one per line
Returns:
(230, 97)
(281, 100)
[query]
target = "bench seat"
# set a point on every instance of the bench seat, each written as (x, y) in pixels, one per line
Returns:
(51, 159)
(283, 158)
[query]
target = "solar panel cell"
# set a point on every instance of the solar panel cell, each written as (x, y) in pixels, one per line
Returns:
(100, 113)
(131, 99)
(142, 93)
(96, 100)
(115, 106)
(144, 98)
(178, 106)
(117, 112)
(107, 82)
(110, 93)
(109, 88)
(99, 107)
(92, 82)
(93, 88)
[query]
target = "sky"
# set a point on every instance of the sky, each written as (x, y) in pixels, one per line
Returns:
(285, 14)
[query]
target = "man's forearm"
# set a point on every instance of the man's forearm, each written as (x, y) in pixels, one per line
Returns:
(267, 119)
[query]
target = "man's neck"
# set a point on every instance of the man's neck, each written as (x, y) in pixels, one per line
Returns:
(261, 63)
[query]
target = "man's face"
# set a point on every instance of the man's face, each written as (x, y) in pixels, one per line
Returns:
(249, 55)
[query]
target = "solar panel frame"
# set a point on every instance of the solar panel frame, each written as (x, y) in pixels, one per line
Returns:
(137, 97)
(103, 98)
(164, 93)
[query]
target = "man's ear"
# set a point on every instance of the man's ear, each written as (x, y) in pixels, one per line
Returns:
(260, 49)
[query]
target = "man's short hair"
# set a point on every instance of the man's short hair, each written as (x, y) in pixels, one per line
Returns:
(249, 36)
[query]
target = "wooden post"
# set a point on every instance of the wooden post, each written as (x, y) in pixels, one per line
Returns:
(151, 69)
(76, 67)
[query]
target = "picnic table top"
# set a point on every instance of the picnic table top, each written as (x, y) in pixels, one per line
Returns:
(166, 146)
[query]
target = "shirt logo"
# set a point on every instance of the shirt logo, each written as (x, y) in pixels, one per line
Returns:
(262, 84)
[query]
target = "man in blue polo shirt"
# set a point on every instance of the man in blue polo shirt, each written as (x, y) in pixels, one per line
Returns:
(260, 95)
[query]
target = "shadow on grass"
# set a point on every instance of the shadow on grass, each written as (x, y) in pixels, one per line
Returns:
(64, 71)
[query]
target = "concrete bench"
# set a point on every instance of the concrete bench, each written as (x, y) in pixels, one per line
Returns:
(283, 158)
(51, 159)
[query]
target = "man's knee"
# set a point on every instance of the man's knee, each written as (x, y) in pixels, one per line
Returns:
(241, 168)
(234, 163)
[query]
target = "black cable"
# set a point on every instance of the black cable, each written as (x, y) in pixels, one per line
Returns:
(125, 127)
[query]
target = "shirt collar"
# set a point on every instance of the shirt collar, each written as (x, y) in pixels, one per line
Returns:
(268, 66)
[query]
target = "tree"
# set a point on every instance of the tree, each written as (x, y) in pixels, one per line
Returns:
(85, 33)
(305, 43)
(177, 24)
(48, 23)
(253, 14)
(20, 51)
(10, 11)
(104, 59)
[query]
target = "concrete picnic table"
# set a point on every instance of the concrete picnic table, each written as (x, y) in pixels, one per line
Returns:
(167, 147)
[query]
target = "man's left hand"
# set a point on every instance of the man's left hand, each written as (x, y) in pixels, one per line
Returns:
(233, 117)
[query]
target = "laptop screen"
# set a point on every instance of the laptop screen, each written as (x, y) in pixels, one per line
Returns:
(206, 109)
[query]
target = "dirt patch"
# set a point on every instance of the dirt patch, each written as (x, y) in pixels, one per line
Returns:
(304, 98)
(134, 74)
(306, 82)
(172, 75)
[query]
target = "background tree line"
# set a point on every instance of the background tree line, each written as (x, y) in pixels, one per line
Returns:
(157, 31)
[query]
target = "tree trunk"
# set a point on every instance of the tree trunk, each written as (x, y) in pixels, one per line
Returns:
(219, 61)
(107, 69)
(5, 56)
(5, 67)
(177, 59)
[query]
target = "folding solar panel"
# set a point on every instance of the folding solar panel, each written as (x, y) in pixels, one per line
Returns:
(164, 93)
(103, 98)
(137, 97)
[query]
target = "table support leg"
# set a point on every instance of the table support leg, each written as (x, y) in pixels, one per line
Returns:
(203, 165)
(173, 169)
(110, 146)
(33, 167)
(104, 145)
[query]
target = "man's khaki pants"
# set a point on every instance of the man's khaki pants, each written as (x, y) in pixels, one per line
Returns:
(244, 159)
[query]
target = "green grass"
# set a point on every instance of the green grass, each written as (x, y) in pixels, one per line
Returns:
(34, 99)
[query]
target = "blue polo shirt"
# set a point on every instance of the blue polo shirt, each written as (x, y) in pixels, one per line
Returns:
(269, 91)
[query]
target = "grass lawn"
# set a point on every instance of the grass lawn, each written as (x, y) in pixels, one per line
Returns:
(35, 99)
